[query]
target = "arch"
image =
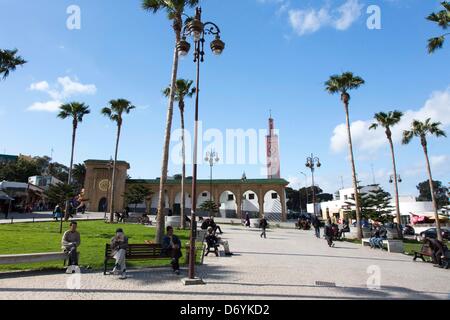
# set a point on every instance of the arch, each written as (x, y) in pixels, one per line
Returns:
(250, 204)
(103, 205)
(228, 204)
(273, 209)
(155, 200)
(177, 204)
(202, 197)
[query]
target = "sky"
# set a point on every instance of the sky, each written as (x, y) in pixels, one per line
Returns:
(278, 55)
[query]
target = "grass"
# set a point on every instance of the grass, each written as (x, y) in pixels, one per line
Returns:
(45, 237)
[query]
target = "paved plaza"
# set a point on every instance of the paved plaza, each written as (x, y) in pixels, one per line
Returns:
(290, 264)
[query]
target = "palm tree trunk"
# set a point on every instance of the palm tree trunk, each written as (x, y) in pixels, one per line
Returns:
(433, 195)
(397, 200)
(113, 182)
(69, 180)
(355, 183)
(160, 224)
(183, 172)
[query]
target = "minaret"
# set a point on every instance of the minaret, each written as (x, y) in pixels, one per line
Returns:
(273, 155)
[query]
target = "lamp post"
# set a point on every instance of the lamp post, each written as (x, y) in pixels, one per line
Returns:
(198, 30)
(212, 157)
(311, 163)
(392, 179)
(244, 180)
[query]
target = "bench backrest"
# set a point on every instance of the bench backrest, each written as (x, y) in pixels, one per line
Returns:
(141, 250)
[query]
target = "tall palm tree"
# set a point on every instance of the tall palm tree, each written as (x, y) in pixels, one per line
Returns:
(115, 112)
(387, 121)
(175, 10)
(343, 84)
(76, 111)
(183, 89)
(442, 18)
(422, 130)
(9, 61)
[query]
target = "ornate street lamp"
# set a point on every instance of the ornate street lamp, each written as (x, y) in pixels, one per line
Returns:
(311, 163)
(197, 30)
(213, 158)
(392, 179)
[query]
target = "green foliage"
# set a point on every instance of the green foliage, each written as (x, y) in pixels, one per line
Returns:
(442, 19)
(19, 171)
(60, 193)
(374, 204)
(74, 110)
(422, 130)
(209, 206)
(79, 175)
(116, 110)
(9, 61)
(137, 194)
(440, 191)
(343, 83)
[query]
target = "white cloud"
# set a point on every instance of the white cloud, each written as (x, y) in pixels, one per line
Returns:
(436, 107)
(311, 20)
(64, 88)
(50, 106)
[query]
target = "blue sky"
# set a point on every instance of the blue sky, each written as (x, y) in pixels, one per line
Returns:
(278, 55)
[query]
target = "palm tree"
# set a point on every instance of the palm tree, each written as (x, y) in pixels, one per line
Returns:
(183, 89)
(175, 10)
(115, 113)
(422, 130)
(387, 121)
(9, 61)
(76, 111)
(343, 84)
(442, 18)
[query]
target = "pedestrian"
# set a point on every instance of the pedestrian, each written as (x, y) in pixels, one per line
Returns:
(172, 245)
(329, 233)
(263, 225)
(71, 240)
(119, 246)
(57, 212)
(316, 225)
(438, 251)
(247, 220)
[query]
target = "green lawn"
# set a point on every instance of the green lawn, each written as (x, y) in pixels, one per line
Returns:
(45, 237)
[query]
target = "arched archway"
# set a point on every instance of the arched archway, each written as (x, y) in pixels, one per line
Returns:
(155, 201)
(103, 205)
(228, 205)
(250, 204)
(272, 206)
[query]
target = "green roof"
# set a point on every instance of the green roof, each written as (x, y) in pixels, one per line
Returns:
(214, 181)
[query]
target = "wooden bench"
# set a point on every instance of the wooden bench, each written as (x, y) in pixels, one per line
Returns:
(33, 258)
(394, 246)
(425, 251)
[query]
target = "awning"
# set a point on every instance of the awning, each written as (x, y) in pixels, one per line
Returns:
(4, 196)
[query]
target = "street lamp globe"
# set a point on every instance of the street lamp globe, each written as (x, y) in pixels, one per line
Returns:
(183, 47)
(196, 28)
(217, 46)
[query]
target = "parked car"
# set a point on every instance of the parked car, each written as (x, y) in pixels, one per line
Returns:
(431, 233)
(408, 231)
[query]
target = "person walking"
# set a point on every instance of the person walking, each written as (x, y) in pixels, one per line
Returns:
(329, 233)
(316, 225)
(119, 246)
(247, 220)
(263, 225)
(57, 212)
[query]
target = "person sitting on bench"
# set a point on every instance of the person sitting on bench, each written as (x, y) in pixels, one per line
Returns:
(71, 240)
(438, 249)
(214, 225)
(212, 240)
(119, 246)
(375, 238)
(172, 245)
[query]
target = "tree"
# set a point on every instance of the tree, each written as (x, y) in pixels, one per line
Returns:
(343, 84)
(19, 171)
(79, 175)
(378, 203)
(9, 61)
(61, 194)
(115, 113)
(387, 121)
(209, 206)
(137, 194)
(183, 90)
(440, 191)
(175, 10)
(442, 19)
(76, 112)
(422, 130)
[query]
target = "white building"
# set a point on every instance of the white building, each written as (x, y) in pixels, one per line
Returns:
(342, 201)
(43, 182)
